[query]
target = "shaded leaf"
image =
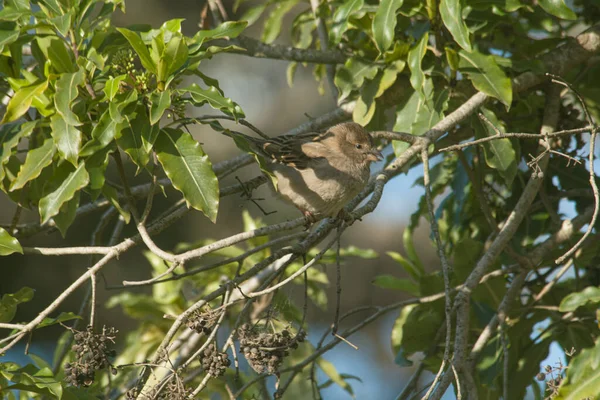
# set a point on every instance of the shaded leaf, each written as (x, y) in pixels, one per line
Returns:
(10, 301)
(486, 75)
(214, 98)
(67, 180)
(573, 301)
(499, 153)
(102, 134)
(160, 102)
(352, 75)
(583, 376)
(67, 214)
(10, 135)
(189, 169)
(275, 19)
(36, 161)
(412, 269)
(391, 282)
(340, 19)
(384, 23)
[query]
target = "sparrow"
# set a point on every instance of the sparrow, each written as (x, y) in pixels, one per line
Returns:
(317, 172)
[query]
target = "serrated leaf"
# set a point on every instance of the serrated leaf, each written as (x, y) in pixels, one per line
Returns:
(67, 138)
(67, 180)
(415, 56)
(66, 92)
(391, 282)
(8, 244)
(190, 170)
(35, 162)
(558, 8)
(384, 23)
(451, 12)
(340, 19)
(160, 102)
(486, 75)
(140, 49)
(275, 19)
(575, 300)
(21, 101)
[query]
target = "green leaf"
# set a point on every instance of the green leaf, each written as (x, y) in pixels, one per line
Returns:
(113, 86)
(140, 49)
(391, 282)
(67, 214)
(65, 182)
(36, 161)
(499, 153)
(102, 134)
(21, 101)
(558, 8)
(352, 75)
(66, 92)
(62, 317)
(340, 19)
(413, 270)
(451, 12)
(10, 135)
(384, 23)
(329, 370)
(486, 75)
(214, 98)
(174, 56)
(365, 105)
(8, 244)
(10, 301)
(575, 300)
(253, 14)
(60, 56)
(275, 19)
(160, 102)
(111, 195)
(583, 376)
(229, 29)
(138, 137)
(67, 138)
(415, 56)
(189, 169)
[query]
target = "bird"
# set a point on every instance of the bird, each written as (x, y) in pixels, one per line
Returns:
(317, 172)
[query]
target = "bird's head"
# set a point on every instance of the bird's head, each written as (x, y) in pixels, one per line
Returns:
(355, 143)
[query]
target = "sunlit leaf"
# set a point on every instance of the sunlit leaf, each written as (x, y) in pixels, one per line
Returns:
(384, 23)
(189, 169)
(452, 15)
(8, 244)
(486, 75)
(65, 182)
(36, 160)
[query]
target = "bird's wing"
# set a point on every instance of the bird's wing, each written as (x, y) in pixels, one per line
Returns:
(296, 151)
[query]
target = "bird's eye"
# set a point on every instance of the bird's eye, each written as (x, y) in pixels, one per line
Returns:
(358, 146)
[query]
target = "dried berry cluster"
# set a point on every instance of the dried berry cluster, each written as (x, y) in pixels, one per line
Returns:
(265, 351)
(203, 322)
(91, 354)
(213, 361)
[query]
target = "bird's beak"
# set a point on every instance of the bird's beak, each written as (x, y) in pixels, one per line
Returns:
(374, 155)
